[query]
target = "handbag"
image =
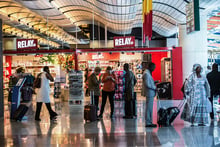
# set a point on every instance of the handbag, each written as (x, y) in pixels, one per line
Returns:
(37, 81)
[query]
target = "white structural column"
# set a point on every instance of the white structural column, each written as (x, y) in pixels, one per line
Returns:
(194, 46)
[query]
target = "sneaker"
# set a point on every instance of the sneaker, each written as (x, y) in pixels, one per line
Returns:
(151, 125)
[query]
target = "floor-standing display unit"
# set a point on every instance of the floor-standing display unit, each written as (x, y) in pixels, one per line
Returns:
(76, 94)
(16, 96)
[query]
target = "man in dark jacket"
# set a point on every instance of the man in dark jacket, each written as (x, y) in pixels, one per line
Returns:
(214, 82)
(130, 82)
(94, 84)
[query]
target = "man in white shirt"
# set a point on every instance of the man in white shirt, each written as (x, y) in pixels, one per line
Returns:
(149, 90)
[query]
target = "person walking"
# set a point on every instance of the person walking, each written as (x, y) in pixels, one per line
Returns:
(197, 92)
(109, 80)
(43, 94)
(94, 84)
(130, 82)
(213, 78)
(149, 91)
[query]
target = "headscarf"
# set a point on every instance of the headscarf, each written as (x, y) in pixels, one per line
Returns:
(195, 66)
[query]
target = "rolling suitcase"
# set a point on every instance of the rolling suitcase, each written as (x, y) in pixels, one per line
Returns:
(90, 110)
(165, 116)
(20, 112)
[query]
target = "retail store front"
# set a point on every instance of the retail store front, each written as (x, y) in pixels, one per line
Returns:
(168, 72)
(168, 65)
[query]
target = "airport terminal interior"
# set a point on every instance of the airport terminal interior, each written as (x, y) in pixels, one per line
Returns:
(74, 37)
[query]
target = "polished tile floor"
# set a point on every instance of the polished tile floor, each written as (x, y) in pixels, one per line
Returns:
(71, 130)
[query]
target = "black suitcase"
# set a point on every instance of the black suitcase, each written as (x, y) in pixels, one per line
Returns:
(165, 116)
(20, 112)
(90, 110)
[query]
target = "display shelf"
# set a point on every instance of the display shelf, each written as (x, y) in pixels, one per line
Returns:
(76, 94)
(120, 84)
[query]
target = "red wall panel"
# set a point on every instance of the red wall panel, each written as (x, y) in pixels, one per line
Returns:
(156, 58)
(177, 73)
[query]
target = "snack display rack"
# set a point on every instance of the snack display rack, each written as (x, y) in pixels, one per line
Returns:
(76, 94)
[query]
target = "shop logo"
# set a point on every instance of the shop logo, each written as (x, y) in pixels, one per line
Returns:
(124, 41)
(26, 44)
(97, 56)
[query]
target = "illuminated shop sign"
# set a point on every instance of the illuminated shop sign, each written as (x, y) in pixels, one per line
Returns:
(23, 44)
(128, 41)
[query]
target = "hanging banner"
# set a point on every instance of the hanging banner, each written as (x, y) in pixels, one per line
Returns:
(127, 41)
(26, 44)
(192, 16)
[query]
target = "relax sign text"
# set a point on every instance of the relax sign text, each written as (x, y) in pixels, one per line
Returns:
(26, 44)
(128, 41)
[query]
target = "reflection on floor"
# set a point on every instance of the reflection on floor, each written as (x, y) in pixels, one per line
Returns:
(71, 130)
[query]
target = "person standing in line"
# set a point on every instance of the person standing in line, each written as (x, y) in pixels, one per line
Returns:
(149, 91)
(109, 80)
(43, 94)
(94, 84)
(130, 82)
(213, 78)
(197, 92)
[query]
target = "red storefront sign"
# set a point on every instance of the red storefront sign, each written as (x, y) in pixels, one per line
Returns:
(23, 44)
(127, 41)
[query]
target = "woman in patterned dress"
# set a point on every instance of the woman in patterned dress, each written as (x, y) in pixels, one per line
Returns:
(197, 91)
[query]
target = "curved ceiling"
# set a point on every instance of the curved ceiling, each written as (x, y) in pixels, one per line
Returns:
(120, 16)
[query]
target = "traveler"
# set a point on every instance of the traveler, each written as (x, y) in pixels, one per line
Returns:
(14, 79)
(130, 82)
(109, 80)
(213, 78)
(149, 90)
(197, 92)
(94, 84)
(43, 94)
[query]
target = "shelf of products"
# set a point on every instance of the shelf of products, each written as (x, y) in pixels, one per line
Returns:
(120, 85)
(76, 94)
(166, 70)
(57, 89)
